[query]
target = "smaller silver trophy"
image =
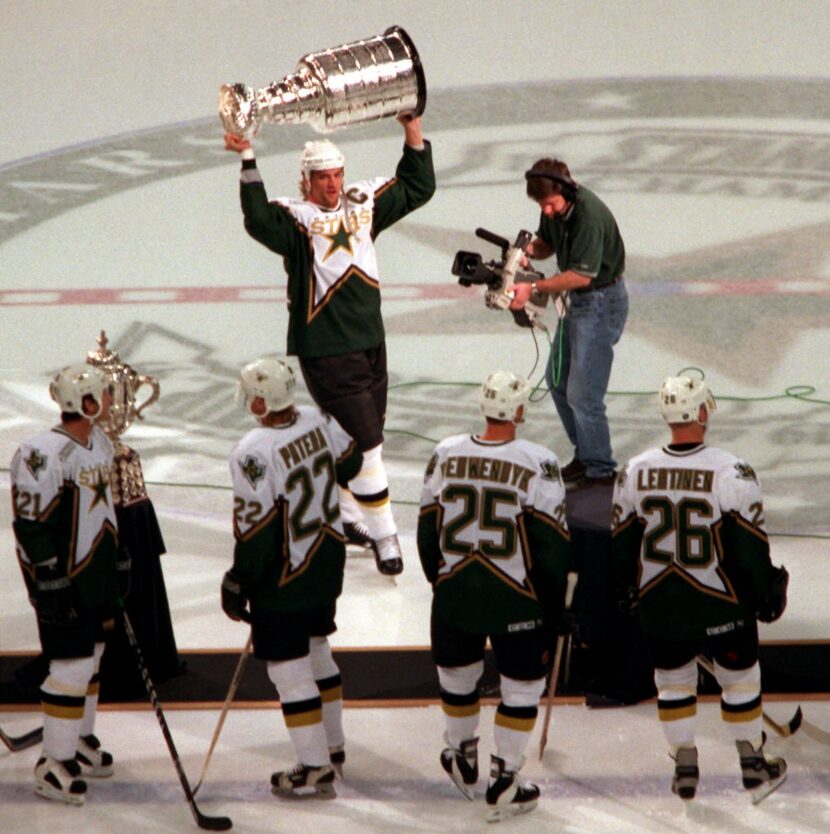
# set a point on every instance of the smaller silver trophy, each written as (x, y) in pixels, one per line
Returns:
(127, 477)
(357, 82)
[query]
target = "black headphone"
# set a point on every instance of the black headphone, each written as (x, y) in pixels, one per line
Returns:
(569, 187)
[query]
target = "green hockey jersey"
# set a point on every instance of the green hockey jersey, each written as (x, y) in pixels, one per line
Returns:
(688, 531)
(492, 534)
(63, 508)
(329, 254)
(290, 550)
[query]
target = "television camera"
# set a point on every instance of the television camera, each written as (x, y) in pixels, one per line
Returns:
(500, 276)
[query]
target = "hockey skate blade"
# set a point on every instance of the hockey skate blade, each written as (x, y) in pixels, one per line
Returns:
(326, 791)
(760, 793)
(467, 790)
(497, 813)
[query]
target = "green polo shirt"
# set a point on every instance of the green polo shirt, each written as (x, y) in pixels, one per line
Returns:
(586, 240)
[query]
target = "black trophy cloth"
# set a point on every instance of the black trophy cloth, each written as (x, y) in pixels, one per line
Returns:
(147, 607)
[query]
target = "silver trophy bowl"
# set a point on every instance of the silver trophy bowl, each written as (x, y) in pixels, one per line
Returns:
(351, 84)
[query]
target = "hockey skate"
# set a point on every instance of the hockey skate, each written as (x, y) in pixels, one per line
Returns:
(357, 534)
(95, 762)
(59, 780)
(304, 782)
(388, 556)
(686, 773)
(337, 757)
(761, 774)
(507, 793)
(462, 766)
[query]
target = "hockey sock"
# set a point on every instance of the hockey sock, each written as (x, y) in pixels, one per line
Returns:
(327, 676)
(301, 709)
(740, 705)
(63, 697)
(460, 701)
(516, 718)
(92, 690)
(677, 704)
(349, 509)
(370, 488)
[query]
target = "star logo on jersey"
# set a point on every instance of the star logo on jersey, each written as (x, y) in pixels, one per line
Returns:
(253, 470)
(35, 463)
(550, 470)
(622, 475)
(341, 239)
(100, 487)
(746, 472)
(433, 462)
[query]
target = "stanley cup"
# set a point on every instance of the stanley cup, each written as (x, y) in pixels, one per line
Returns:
(357, 82)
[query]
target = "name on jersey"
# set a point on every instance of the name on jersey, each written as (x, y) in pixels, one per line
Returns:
(306, 444)
(329, 224)
(688, 480)
(487, 469)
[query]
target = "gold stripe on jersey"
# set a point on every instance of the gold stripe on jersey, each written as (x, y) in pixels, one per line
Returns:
(477, 558)
(263, 522)
(352, 272)
(388, 184)
(675, 570)
(106, 528)
(287, 574)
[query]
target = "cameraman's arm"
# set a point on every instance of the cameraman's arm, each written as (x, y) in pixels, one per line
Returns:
(538, 249)
(564, 281)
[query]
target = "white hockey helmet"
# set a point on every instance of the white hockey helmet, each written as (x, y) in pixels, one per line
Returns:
(320, 155)
(501, 394)
(681, 397)
(270, 379)
(71, 384)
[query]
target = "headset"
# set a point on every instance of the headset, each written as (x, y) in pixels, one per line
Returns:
(568, 186)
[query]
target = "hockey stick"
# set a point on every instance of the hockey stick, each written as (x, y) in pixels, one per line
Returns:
(237, 676)
(16, 744)
(554, 675)
(208, 823)
(783, 730)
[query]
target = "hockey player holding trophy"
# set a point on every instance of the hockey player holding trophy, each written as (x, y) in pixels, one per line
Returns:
(691, 548)
(76, 574)
(288, 563)
(327, 242)
(493, 542)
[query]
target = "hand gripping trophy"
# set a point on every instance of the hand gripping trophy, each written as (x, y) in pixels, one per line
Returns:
(357, 82)
(139, 532)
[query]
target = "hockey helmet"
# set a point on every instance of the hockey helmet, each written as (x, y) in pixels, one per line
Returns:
(270, 379)
(681, 397)
(320, 155)
(501, 394)
(71, 384)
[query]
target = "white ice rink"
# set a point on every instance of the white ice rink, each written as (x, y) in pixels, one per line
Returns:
(705, 126)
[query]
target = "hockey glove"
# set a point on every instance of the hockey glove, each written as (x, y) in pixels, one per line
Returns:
(234, 598)
(772, 606)
(123, 571)
(57, 601)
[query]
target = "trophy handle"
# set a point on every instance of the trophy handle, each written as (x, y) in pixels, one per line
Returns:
(141, 381)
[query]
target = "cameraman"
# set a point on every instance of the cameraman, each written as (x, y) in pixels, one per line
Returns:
(580, 229)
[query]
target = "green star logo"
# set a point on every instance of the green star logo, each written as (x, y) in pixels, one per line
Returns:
(100, 486)
(253, 470)
(341, 239)
(550, 470)
(35, 463)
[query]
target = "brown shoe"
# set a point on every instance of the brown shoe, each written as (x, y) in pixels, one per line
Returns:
(573, 471)
(586, 481)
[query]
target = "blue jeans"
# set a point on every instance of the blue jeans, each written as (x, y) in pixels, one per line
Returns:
(589, 331)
